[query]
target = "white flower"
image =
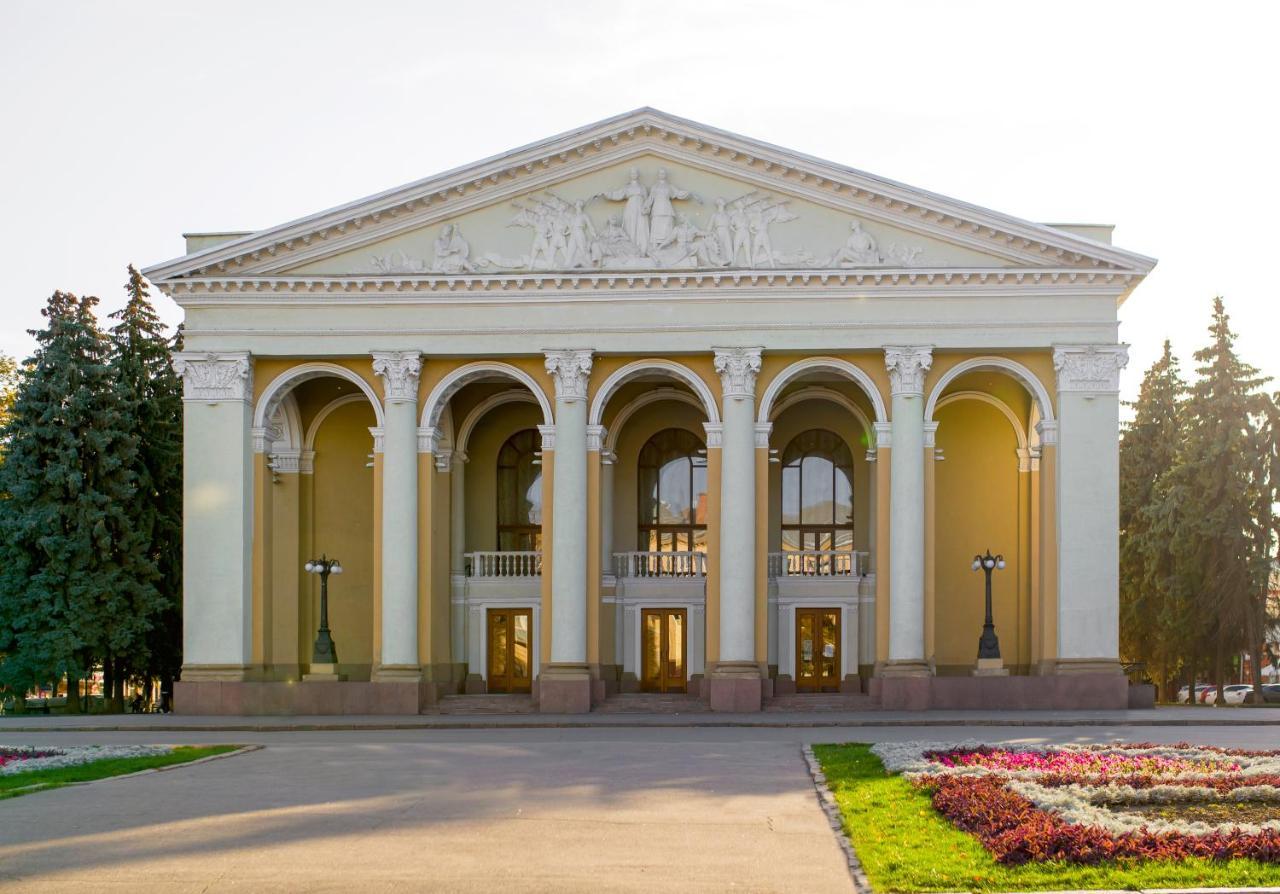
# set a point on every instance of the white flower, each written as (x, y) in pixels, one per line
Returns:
(71, 755)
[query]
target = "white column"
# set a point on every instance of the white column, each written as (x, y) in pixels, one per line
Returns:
(570, 371)
(217, 527)
(738, 368)
(907, 367)
(399, 371)
(1088, 498)
(457, 556)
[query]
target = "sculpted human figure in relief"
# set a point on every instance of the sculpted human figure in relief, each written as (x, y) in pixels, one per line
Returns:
(634, 219)
(452, 252)
(662, 213)
(859, 249)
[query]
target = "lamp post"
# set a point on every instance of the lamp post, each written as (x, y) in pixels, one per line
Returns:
(324, 651)
(988, 644)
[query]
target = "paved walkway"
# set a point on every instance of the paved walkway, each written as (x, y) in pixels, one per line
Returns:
(601, 808)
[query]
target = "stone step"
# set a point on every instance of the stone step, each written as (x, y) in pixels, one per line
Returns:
(821, 701)
(496, 703)
(652, 703)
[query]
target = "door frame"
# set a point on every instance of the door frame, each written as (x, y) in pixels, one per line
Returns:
(850, 619)
(818, 611)
(488, 636)
(666, 611)
(477, 604)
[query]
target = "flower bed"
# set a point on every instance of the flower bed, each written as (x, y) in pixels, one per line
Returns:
(22, 760)
(1090, 803)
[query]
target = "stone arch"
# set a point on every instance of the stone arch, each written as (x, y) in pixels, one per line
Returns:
(294, 376)
(1000, 364)
(515, 395)
(996, 402)
(323, 413)
(679, 371)
(830, 395)
(648, 397)
(828, 364)
(452, 383)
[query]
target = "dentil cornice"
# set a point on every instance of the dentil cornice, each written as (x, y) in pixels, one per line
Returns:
(738, 368)
(399, 371)
(907, 367)
(1089, 368)
(213, 378)
(570, 370)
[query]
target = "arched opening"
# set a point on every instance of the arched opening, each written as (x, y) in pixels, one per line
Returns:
(671, 474)
(817, 493)
(318, 499)
(519, 515)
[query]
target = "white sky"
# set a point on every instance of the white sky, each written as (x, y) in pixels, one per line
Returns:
(125, 124)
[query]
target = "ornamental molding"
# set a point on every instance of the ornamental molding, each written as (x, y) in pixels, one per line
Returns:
(884, 435)
(399, 371)
(378, 440)
(292, 462)
(570, 370)
(548, 433)
(930, 435)
(645, 132)
(762, 432)
(738, 368)
(214, 378)
(1048, 431)
(1091, 369)
(443, 460)
(430, 440)
(596, 435)
(907, 367)
(715, 435)
(605, 286)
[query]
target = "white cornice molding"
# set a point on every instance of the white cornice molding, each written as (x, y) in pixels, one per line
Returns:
(615, 286)
(570, 370)
(907, 366)
(1089, 369)
(648, 130)
(715, 434)
(884, 435)
(763, 430)
(214, 377)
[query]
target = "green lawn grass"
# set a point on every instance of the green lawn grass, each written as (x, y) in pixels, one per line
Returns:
(905, 845)
(26, 782)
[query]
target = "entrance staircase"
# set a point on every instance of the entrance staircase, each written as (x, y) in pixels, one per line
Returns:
(820, 702)
(484, 704)
(652, 703)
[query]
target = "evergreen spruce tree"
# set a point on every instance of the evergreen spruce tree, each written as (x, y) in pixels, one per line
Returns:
(150, 394)
(1211, 504)
(71, 586)
(1150, 616)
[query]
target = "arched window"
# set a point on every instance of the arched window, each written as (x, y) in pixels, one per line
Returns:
(520, 492)
(672, 473)
(817, 492)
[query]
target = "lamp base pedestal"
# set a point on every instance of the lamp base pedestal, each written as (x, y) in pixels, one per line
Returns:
(323, 673)
(990, 667)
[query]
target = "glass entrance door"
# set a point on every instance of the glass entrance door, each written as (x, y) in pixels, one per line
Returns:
(663, 651)
(817, 650)
(510, 650)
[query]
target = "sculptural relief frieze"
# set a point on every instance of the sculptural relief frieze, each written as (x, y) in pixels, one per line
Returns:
(645, 227)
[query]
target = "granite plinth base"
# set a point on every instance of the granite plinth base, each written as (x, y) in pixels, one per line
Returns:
(312, 697)
(565, 690)
(737, 687)
(1072, 692)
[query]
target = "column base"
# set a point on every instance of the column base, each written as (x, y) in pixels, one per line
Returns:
(905, 668)
(396, 673)
(211, 673)
(735, 686)
(564, 689)
(1065, 667)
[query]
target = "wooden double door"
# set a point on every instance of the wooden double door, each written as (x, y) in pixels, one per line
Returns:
(510, 641)
(817, 650)
(664, 665)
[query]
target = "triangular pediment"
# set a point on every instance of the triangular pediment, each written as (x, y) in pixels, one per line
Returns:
(647, 191)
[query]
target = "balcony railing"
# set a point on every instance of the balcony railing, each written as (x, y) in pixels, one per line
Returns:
(504, 564)
(817, 563)
(660, 564)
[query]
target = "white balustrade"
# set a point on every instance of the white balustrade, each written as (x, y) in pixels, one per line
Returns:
(817, 563)
(507, 563)
(660, 564)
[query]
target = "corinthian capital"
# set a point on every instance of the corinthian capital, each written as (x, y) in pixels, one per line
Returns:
(214, 377)
(1090, 368)
(399, 371)
(738, 368)
(569, 370)
(907, 366)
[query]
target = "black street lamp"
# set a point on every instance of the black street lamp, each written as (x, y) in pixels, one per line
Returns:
(988, 644)
(324, 652)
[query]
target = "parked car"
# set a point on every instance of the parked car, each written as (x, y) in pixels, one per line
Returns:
(1182, 694)
(1235, 694)
(1271, 693)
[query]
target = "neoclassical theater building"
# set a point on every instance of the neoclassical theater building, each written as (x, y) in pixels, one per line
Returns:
(650, 407)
